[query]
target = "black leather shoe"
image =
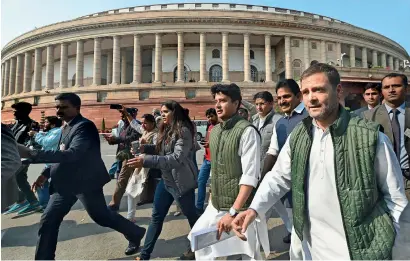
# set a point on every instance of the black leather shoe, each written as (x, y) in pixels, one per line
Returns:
(131, 249)
(188, 255)
(286, 239)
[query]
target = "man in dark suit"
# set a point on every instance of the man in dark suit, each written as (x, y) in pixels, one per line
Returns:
(78, 173)
(394, 117)
(372, 96)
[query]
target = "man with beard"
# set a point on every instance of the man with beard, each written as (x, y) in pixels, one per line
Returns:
(345, 178)
(372, 96)
(48, 140)
(289, 101)
(79, 173)
(27, 201)
(394, 117)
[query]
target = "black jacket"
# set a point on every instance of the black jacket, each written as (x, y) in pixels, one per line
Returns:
(79, 166)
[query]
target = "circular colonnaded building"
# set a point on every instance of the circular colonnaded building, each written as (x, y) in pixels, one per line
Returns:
(141, 56)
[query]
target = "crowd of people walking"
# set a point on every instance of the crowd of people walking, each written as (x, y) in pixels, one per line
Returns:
(339, 180)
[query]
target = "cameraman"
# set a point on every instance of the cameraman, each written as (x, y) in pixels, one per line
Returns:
(126, 136)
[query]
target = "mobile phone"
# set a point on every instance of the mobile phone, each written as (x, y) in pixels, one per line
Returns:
(115, 106)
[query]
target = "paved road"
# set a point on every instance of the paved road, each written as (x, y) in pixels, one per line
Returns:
(81, 238)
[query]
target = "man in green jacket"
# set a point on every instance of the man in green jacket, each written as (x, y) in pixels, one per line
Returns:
(346, 181)
(235, 153)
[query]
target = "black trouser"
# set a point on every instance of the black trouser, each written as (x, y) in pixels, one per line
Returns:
(94, 203)
(24, 187)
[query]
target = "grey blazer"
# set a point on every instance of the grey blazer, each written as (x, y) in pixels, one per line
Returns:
(175, 161)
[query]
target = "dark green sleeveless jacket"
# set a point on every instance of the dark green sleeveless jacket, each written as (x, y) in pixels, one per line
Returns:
(368, 227)
(226, 165)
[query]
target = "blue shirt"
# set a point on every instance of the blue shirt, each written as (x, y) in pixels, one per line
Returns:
(49, 140)
(404, 157)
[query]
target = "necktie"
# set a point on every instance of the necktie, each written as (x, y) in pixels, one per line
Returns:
(396, 132)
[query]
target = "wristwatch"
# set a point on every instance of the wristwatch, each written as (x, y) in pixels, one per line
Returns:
(233, 212)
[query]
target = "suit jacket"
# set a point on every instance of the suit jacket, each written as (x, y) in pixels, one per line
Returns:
(79, 165)
(380, 115)
(359, 112)
(10, 164)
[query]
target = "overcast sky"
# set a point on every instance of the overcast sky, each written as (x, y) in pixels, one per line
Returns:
(389, 18)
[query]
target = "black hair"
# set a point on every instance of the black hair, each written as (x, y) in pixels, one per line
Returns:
(288, 83)
(231, 90)
(332, 74)
(54, 120)
(394, 75)
(71, 97)
(372, 85)
(210, 111)
(149, 118)
(23, 107)
(265, 95)
(244, 110)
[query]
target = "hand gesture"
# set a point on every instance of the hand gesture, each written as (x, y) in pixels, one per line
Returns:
(143, 141)
(32, 133)
(224, 225)
(241, 222)
(136, 162)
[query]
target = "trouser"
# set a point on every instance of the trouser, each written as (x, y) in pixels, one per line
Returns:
(121, 185)
(94, 203)
(284, 213)
(24, 187)
(164, 197)
(43, 194)
(203, 177)
(147, 195)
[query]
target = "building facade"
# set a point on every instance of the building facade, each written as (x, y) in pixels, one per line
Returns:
(141, 56)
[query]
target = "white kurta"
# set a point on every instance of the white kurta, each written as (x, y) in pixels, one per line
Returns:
(249, 151)
(324, 233)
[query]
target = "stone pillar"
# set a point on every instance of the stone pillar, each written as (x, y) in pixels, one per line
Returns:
(364, 58)
(50, 67)
(158, 58)
(97, 62)
(109, 67)
(396, 64)
(202, 57)
(339, 53)
(6, 78)
(384, 62)
(137, 67)
(3, 69)
(225, 57)
(116, 60)
(79, 73)
(391, 64)
(19, 74)
(123, 67)
(374, 58)
(28, 57)
(323, 52)
(306, 53)
(12, 77)
(64, 66)
(246, 58)
(352, 56)
(288, 65)
(181, 64)
(37, 69)
(268, 58)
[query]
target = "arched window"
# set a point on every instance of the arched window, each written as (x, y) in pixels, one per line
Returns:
(281, 65)
(252, 54)
(313, 62)
(216, 53)
(215, 73)
(254, 74)
(297, 68)
(176, 74)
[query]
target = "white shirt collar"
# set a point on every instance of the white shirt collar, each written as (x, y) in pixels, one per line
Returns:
(401, 108)
(299, 109)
